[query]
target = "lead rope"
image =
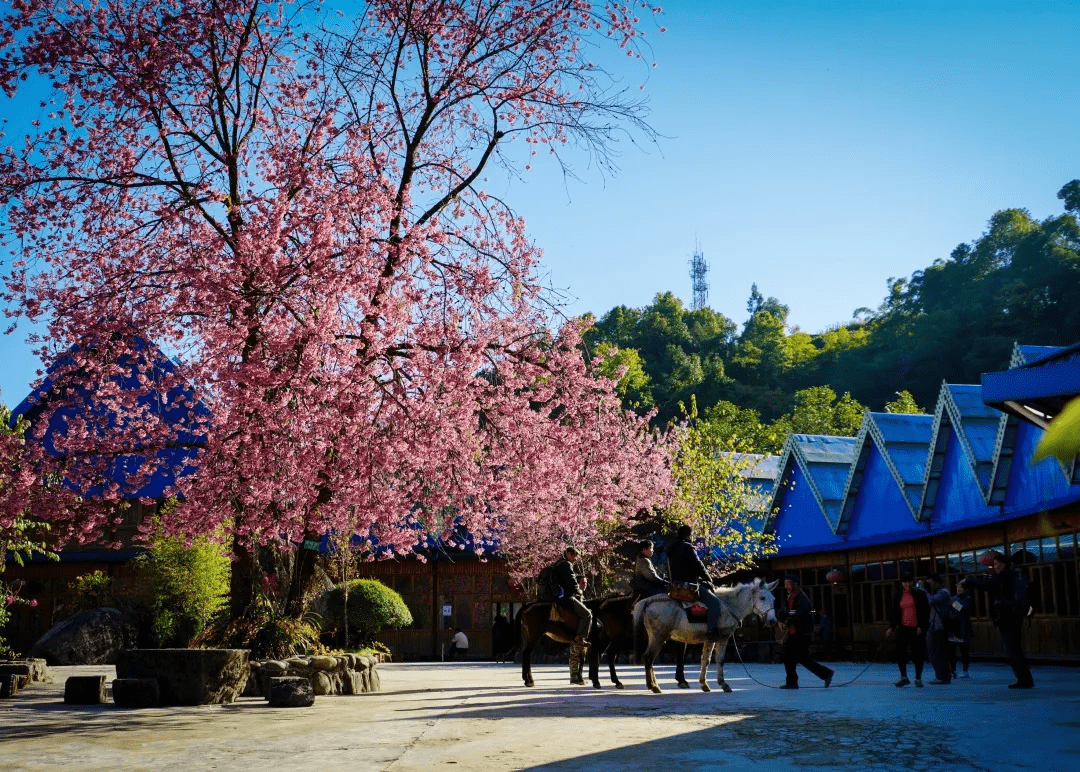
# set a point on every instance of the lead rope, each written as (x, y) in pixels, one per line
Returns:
(770, 686)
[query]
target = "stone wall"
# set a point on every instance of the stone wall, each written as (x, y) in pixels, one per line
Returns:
(338, 674)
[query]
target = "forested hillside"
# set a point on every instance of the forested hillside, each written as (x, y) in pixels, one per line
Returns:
(954, 320)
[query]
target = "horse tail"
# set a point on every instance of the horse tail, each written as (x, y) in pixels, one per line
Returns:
(639, 628)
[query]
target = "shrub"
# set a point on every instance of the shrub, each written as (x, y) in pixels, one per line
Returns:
(186, 585)
(372, 607)
(94, 590)
(268, 633)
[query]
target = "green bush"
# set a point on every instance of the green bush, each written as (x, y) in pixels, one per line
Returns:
(186, 586)
(372, 607)
(93, 590)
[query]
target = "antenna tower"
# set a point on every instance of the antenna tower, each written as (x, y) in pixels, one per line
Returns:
(698, 269)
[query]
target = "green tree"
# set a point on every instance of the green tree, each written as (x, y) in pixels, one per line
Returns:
(818, 411)
(186, 586)
(904, 403)
(714, 496)
(626, 368)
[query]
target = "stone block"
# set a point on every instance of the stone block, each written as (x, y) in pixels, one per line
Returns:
(9, 685)
(20, 671)
(291, 692)
(136, 692)
(189, 676)
(85, 690)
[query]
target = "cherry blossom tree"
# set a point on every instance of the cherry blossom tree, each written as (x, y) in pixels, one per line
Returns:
(295, 212)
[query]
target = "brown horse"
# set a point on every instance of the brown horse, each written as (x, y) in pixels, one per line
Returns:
(612, 632)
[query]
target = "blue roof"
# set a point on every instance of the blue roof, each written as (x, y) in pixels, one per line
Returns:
(902, 441)
(177, 406)
(912, 476)
(824, 463)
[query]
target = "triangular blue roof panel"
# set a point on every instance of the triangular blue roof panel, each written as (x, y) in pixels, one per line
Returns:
(880, 506)
(959, 499)
(798, 523)
(903, 442)
(826, 463)
(1031, 483)
(1024, 355)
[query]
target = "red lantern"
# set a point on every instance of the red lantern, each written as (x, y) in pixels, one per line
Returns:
(835, 576)
(986, 559)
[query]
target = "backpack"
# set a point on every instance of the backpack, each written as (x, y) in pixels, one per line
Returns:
(547, 589)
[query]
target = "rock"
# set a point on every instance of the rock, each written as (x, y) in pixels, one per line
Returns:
(189, 676)
(291, 692)
(353, 683)
(274, 666)
(251, 689)
(136, 692)
(9, 685)
(84, 690)
(324, 663)
(322, 684)
(89, 638)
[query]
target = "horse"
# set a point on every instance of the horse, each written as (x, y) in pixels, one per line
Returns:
(663, 618)
(612, 631)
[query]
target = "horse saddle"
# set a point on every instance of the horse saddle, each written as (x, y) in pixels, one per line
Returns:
(695, 612)
(564, 615)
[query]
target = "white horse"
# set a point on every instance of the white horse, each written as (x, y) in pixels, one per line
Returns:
(664, 619)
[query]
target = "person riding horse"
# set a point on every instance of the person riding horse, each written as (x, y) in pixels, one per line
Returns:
(646, 581)
(565, 577)
(686, 567)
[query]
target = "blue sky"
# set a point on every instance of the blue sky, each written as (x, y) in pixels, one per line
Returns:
(814, 148)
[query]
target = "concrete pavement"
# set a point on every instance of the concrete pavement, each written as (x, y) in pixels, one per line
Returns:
(478, 716)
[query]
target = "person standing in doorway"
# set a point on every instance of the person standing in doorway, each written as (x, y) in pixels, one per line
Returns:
(800, 624)
(908, 621)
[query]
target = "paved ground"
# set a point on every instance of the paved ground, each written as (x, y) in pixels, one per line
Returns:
(478, 716)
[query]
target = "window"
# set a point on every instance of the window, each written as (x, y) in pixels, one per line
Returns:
(889, 571)
(873, 572)
(955, 563)
(968, 563)
(1067, 546)
(1049, 550)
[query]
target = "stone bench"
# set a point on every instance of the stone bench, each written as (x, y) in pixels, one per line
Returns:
(85, 690)
(188, 676)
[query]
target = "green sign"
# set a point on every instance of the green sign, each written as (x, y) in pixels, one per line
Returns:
(310, 544)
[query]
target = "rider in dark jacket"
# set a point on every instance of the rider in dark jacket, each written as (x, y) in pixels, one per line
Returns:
(566, 576)
(685, 567)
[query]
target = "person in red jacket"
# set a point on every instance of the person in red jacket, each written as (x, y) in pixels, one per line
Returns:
(909, 620)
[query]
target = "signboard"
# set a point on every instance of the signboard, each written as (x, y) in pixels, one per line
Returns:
(447, 609)
(310, 544)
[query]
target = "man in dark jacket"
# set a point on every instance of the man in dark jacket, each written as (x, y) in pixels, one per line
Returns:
(1000, 583)
(800, 624)
(566, 577)
(685, 567)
